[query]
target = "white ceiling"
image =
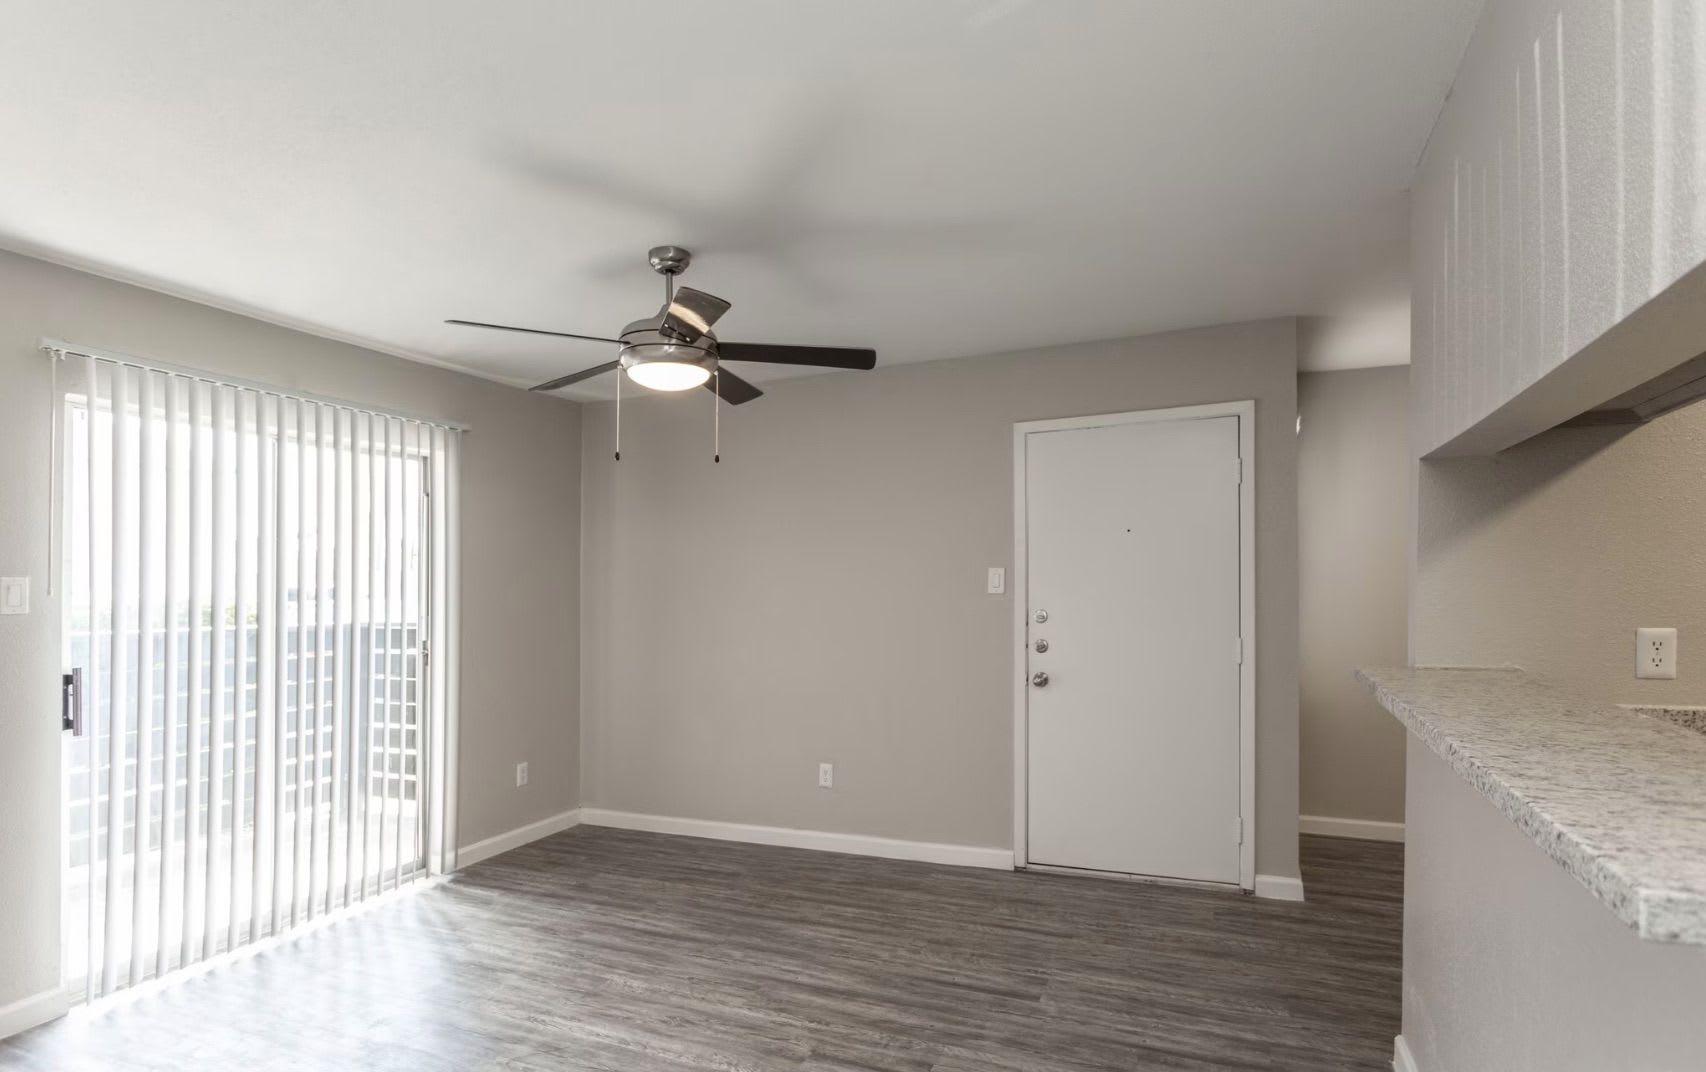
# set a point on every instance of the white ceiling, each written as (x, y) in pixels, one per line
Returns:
(934, 179)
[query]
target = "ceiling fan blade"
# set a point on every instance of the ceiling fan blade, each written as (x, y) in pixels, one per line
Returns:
(534, 331)
(842, 357)
(576, 377)
(690, 314)
(734, 390)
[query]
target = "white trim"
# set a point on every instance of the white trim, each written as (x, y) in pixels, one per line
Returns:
(468, 855)
(1402, 1059)
(26, 1013)
(1362, 829)
(820, 840)
(1245, 411)
(1279, 888)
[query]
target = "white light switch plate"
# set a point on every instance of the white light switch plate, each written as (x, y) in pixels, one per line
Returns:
(1655, 653)
(14, 595)
(997, 580)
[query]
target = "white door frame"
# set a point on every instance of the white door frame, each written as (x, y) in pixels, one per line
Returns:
(1245, 411)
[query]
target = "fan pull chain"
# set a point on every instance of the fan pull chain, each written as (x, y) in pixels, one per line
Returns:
(717, 418)
(618, 414)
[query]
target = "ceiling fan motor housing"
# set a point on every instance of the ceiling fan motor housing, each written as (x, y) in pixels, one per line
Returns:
(644, 342)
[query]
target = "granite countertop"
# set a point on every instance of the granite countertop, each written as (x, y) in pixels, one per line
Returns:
(1693, 718)
(1615, 796)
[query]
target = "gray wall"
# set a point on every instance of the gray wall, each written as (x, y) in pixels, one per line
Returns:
(1352, 528)
(1531, 300)
(1510, 963)
(520, 564)
(819, 596)
(1550, 555)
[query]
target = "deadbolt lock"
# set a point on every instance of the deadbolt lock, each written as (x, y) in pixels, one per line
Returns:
(1039, 679)
(1041, 616)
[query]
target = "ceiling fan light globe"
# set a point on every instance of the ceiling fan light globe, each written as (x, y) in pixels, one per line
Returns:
(668, 375)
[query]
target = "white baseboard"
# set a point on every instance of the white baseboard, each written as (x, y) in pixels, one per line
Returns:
(1279, 887)
(1402, 1061)
(37, 1009)
(1364, 829)
(822, 840)
(469, 855)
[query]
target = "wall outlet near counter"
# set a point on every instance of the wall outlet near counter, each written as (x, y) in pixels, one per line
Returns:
(1655, 653)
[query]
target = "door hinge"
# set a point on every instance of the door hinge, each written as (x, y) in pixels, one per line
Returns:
(1238, 829)
(1238, 650)
(1238, 470)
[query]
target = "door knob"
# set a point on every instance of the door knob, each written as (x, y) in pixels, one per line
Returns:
(1042, 646)
(1039, 679)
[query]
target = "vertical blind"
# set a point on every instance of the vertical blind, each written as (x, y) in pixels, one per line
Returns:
(260, 592)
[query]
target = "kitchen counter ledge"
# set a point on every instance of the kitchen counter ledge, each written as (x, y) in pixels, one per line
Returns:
(1616, 798)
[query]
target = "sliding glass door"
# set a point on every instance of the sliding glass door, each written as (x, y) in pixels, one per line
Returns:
(257, 595)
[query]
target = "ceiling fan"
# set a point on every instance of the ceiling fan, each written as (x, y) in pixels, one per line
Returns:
(676, 349)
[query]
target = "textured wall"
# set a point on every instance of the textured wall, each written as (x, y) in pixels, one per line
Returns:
(819, 595)
(1352, 527)
(1563, 187)
(1559, 223)
(520, 564)
(1509, 963)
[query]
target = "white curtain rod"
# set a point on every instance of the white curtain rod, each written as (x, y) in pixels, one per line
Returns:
(60, 348)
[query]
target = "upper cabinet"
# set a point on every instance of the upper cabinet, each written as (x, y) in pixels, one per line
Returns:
(1558, 220)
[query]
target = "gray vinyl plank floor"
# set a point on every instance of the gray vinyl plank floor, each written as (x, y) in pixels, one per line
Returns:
(601, 949)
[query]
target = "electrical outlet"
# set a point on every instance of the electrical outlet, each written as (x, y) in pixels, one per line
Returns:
(1655, 653)
(826, 776)
(520, 775)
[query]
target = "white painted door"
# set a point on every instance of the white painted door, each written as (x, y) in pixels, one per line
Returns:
(1132, 547)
